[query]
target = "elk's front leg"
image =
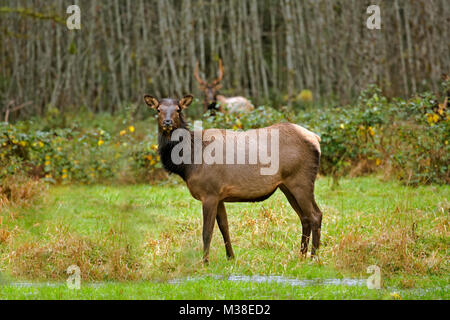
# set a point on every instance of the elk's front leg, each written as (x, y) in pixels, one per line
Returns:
(209, 219)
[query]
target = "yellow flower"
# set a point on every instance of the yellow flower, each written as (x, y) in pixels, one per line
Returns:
(435, 118)
(41, 144)
(152, 162)
(370, 131)
(100, 142)
(342, 126)
(123, 132)
(149, 157)
(378, 162)
(158, 158)
(154, 146)
(446, 142)
(64, 170)
(47, 163)
(23, 143)
(396, 296)
(431, 118)
(64, 176)
(48, 175)
(305, 96)
(131, 128)
(47, 157)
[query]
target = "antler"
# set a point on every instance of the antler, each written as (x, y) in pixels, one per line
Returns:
(199, 80)
(217, 81)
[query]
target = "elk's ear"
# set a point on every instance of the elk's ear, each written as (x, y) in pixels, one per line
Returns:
(186, 101)
(152, 102)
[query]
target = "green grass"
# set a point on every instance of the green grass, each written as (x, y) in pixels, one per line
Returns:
(209, 289)
(135, 238)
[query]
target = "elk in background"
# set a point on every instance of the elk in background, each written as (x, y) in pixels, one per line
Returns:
(216, 102)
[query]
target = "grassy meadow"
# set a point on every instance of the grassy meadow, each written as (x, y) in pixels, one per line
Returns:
(143, 241)
(82, 180)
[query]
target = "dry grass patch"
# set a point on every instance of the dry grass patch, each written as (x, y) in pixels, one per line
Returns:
(396, 247)
(172, 254)
(99, 258)
(20, 190)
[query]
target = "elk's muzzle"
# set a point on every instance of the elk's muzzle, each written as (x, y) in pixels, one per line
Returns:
(167, 125)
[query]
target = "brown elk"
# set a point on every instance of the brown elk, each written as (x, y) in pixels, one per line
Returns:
(214, 184)
(215, 102)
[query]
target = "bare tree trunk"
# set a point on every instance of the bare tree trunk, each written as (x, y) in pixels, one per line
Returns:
(270, 48)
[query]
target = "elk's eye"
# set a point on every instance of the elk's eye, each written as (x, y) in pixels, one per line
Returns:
(158, 110)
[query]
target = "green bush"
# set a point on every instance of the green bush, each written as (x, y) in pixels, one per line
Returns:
(260, 117)
(421, 151)
(84, 155)
(351, 134)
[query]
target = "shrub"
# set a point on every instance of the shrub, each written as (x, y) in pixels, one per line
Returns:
(421, 153)
(260, 117)
(85, 155)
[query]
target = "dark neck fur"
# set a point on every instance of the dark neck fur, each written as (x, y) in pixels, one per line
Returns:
(212, 106)
(165, 146)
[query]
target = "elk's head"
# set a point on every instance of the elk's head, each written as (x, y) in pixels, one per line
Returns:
(169, 112)
(210, 89)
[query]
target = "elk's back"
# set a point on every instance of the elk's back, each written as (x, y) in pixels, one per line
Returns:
(298, 156)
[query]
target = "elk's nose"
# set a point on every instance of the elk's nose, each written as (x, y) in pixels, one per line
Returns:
(167, 122)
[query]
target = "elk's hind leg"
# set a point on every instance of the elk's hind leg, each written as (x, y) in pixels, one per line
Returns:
(306, 225)
(304, 196)
(222, 221)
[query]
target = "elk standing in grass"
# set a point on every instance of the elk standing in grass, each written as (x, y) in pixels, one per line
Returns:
(215, 102)
(215, 184)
